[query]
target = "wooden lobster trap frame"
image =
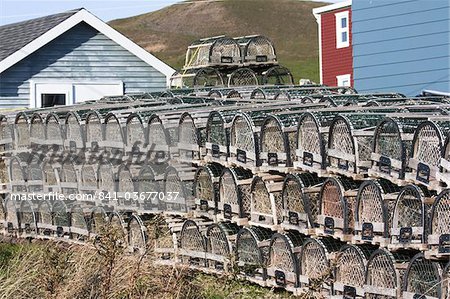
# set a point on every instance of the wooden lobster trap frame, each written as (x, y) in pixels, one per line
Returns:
(257, 50)
(44, 220)
(201, 77)
(118, 226)
(158, 140)
(62, 218)
(191, 137)
(126, 189)
(79, 229)
(384, 273)
(277, 75)
(242, 77)
(439, 227)
(293, 95)
(422, 279)
(166, 240)
(446, 282)
(213, 51)
(277, 142)
(283, 260)
(252, 248)
(444, 174)
(136, 144)
(221, 240)
(266, 201)
(74, 137)
(391, 148)
(337, 206)
(148, 183)
(27, 219)
(300, 196)
(113, 137)
(21, 132)
(17, 174)
(50, 176)
(54, 135)
(217, 136)
(312, 137)
(337, 100)
(94, 134)
(11, 221)
(88, 179)
(350, 143)
(410, 218)
(37, 132)
(373, 211)
(177, 197)
(235, 195)
(264, 93)
(68, 179)
(138, 235)
(98, 220)
(206, 189)
(106, 185)
(6, 135)
(350, 269)
(192, 249)
(426, 153)
(316, 268)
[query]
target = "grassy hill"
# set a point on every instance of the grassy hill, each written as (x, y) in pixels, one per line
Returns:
(166, 33)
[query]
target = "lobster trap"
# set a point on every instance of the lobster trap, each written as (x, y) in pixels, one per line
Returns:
(257, 49)
(337, 206)
(350, 269)
(6, 135)
(373, 211)
(422, 279)
(27, 219)
(410, 218)
(62, 220)
(106, 184)
(149, 184)
(126, 191)
(439, 226)
(21, 132)
(192, 249)
(37, 132)
(391, 148)
(316, 267)
(137, 234)
(74, 137)
(166, 239)
(213, 51)
(384, 274)
(11, 224)
(158, 140)
(68, 179)
(98, 220)
(88, 179)
(113, 137)
(277, 75)
(217, 136)
(426, 152)
(94, 134)
(220, 240)
(79, 229)
(119, 227)
(252, 249)
(195, 78)
(266, 201)
(277, 142)
(178, 196)
(444, 174)
(234, 195)
(206, 189)
(242, 77)
(300, 197)
(44, 220)
(136, 144)
(191, 141)
(350, 143)
(54, 134)
(283, 260)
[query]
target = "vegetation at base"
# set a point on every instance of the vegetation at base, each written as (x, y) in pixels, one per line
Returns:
(290, 24)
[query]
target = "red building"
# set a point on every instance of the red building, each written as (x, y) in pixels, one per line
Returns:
(335, 43)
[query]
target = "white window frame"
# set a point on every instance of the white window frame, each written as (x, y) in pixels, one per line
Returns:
(339, 30)
(344, 78)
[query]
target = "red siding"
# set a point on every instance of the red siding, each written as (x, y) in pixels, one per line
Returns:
(335, 61)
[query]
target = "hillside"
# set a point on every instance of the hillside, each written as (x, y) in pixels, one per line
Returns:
(166, 33)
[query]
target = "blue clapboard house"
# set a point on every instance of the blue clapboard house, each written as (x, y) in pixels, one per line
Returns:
(70, 57)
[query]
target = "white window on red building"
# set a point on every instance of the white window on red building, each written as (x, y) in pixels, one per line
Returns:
(343, 80)
(342, 29)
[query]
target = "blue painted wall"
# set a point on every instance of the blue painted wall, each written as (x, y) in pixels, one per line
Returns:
(83, 54)
(401, 45)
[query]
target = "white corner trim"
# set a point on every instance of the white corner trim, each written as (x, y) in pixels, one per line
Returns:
(339, 5)
(319, 33)
(85, 16)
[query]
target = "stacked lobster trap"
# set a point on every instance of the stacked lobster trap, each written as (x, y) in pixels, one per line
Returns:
(318, 190)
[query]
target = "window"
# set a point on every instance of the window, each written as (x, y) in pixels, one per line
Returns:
(53, 99)
(342, 30)
(343, 80)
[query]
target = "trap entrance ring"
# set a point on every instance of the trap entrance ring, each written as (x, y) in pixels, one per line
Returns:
(283, 260)
(337, 205)
(220, 245)
(422, 279)
(206, 189)
(373, 211)
(277, 75)
(252, 245)
(350, 270)
(408, 229)
(235, 195)
(192, 248)
(383, 273)
(439, 226)
(300, 196)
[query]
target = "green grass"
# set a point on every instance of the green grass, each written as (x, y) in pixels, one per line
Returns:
(303, 69)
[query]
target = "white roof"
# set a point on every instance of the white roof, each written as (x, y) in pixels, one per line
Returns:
(339, 5)
(85, 16)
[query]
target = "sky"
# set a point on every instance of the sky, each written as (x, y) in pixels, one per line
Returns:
(12, 11)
